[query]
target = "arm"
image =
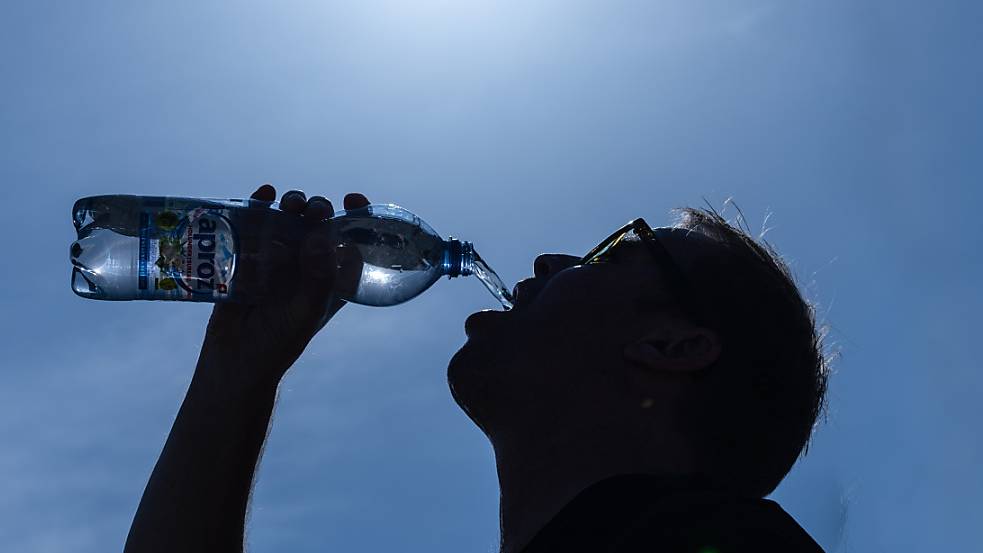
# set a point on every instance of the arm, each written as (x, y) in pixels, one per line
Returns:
(197, 496)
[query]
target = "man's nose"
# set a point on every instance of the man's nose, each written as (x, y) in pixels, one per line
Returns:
(548, 264)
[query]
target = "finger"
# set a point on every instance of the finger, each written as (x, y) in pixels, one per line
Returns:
(318, 268)
(265, 193)
(318, 208)
(349, 272)
(355, 201)
(293, 202)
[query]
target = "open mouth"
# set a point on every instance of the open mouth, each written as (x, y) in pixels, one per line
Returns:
(488, 320)
(525, 291)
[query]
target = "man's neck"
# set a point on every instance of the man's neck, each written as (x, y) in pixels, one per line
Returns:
(537, 484)
(529, 500)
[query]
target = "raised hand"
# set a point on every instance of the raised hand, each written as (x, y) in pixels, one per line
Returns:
(296, 264)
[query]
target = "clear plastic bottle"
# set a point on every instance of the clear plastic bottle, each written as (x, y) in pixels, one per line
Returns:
(192, 249)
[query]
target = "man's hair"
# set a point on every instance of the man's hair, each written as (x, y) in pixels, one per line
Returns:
(760, 400)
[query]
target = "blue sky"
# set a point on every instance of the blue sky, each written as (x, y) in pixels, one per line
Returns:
(525, 127)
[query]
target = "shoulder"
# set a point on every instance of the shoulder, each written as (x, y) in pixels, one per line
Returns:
(705, 523)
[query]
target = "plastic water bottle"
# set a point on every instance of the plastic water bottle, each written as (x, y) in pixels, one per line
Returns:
(192, 249)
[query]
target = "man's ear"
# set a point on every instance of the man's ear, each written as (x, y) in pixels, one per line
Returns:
(680, 348)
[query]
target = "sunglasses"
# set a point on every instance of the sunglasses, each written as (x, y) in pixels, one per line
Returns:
(677, 283)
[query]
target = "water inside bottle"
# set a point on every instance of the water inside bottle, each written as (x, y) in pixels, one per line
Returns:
(398, 259)
(490, 279)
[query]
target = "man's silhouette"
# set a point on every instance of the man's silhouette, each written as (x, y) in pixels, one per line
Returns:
(645, 397)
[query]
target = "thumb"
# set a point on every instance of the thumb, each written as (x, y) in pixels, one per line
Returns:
(318, 273)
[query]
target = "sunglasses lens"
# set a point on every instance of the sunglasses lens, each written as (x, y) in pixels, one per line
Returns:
(599, 254)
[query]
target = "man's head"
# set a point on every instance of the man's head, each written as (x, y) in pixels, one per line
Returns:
(691, 354)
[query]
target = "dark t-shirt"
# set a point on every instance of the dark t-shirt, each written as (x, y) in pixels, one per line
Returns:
(650, 514)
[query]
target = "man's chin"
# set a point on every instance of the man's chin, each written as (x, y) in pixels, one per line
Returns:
(471, 357)
(467, 381)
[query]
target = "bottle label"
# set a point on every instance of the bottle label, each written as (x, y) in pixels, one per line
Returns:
(186, 252)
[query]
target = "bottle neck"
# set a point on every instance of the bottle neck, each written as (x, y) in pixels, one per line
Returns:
(458, 258)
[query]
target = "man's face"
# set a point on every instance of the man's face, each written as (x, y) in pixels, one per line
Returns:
(558, 355)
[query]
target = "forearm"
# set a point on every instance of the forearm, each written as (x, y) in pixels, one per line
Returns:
(197, 496)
